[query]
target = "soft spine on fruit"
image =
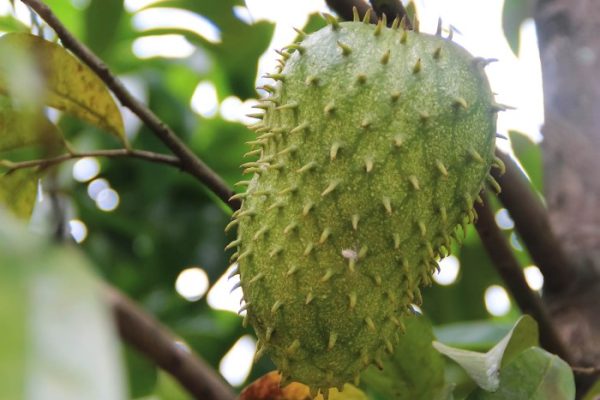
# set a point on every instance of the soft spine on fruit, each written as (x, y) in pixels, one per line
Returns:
(373, 145)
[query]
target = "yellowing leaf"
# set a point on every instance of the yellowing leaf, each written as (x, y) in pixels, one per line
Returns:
(18, 191)
(20, 128)
(69, 85)
(30, 129)
(267, 387)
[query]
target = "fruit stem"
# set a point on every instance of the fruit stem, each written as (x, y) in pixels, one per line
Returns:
(392, 9)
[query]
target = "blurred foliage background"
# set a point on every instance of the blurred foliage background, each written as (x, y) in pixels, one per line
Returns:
(165, 223)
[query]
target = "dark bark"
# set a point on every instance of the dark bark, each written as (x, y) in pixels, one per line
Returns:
(343, 8)
(391, 9)
(511, 272)
(153, 340)
(531, 221)
(568, 34)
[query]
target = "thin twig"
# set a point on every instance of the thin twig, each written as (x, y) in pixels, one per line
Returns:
(392, 9)
(343, 8)
(149, 337)
(531, 221)
(129, 153)
(189, 161)
(593, 372)
(509, 269)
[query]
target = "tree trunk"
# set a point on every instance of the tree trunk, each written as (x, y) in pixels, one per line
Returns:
(569, 32)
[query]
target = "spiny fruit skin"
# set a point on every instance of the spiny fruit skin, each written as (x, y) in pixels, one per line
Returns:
(373, 146)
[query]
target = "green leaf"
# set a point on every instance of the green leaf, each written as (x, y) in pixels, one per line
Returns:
(220, 12)
(473, 335)
(241, 61)
(314, 23)
(68, 15)
(169, 389)
(102, 19)
(484, 368)
(534, 374)
(241, 44)
(594, 392)
(403, 375)
(57, 338)
(524, 334)
(70, 86)
(513, 15)
(8, 23)
(529, 155)
(141, 372)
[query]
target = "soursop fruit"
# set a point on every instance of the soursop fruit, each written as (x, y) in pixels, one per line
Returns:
(373, 145)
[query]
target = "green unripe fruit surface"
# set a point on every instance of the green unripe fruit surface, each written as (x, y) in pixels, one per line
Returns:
(373, 146)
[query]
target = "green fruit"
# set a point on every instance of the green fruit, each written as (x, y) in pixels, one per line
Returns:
(373, 145)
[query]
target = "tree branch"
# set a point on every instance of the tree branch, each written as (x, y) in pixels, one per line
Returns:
(130, 153)
(509, 269)
(149, 337)
(343, 8)
(531, 221)
(392, 9)
(189, 161)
